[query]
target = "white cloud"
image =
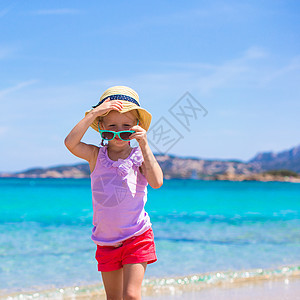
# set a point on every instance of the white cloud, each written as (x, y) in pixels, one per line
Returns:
(255, 53)
(5, 11)
(171, 79)
(205, 78)
(16, 87)
(201, 79)
(292, 66)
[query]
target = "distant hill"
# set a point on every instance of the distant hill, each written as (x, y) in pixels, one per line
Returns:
(187, 167)
(288, 159)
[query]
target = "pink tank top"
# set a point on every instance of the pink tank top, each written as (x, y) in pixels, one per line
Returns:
(119, 192)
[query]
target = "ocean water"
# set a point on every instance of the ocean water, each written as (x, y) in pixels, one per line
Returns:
(199, 227)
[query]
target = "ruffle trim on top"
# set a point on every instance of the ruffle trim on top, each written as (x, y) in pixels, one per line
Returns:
(135, 159)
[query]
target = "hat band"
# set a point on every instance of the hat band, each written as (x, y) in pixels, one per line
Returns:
(118, 97)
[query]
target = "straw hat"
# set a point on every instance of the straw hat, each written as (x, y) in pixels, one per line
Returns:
(130, 100)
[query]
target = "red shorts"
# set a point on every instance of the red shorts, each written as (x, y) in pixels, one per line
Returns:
(138, 249)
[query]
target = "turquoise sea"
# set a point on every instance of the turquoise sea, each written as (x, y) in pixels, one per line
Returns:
(199, 227)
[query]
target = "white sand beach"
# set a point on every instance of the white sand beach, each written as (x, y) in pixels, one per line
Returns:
(277, 284)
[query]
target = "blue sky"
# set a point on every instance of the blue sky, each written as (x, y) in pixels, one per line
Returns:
(239, 59)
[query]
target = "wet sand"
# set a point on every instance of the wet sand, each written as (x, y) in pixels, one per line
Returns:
(283, 289)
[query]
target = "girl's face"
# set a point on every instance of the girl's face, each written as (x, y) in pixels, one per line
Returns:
(116, 121)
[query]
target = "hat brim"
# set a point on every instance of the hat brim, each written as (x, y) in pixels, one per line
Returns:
(145, 116)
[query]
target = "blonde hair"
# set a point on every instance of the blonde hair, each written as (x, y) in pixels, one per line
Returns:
(133, 112)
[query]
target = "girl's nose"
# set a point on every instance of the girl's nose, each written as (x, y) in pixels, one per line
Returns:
(120, 128)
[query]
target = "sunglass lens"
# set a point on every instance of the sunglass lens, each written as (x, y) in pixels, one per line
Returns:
(107, 135)
(125, 135)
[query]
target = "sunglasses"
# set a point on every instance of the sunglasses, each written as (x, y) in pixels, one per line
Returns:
(110, 135)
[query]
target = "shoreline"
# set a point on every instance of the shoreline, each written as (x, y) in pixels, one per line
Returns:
(235, 178)
(184, 287)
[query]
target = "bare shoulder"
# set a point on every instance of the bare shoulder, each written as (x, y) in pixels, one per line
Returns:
(84, 151)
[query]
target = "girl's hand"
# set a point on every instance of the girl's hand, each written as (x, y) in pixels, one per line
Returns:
(140, 135)
(107, 105)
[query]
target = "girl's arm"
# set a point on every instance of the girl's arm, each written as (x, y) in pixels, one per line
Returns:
(150, 167)
(73, 140)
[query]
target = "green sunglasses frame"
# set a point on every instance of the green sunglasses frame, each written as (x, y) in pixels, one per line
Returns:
(114, 132)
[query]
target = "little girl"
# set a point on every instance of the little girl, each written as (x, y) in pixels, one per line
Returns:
(119, 178)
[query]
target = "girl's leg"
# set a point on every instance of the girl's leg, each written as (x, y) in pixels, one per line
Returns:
(113, 284)
(133, 275)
